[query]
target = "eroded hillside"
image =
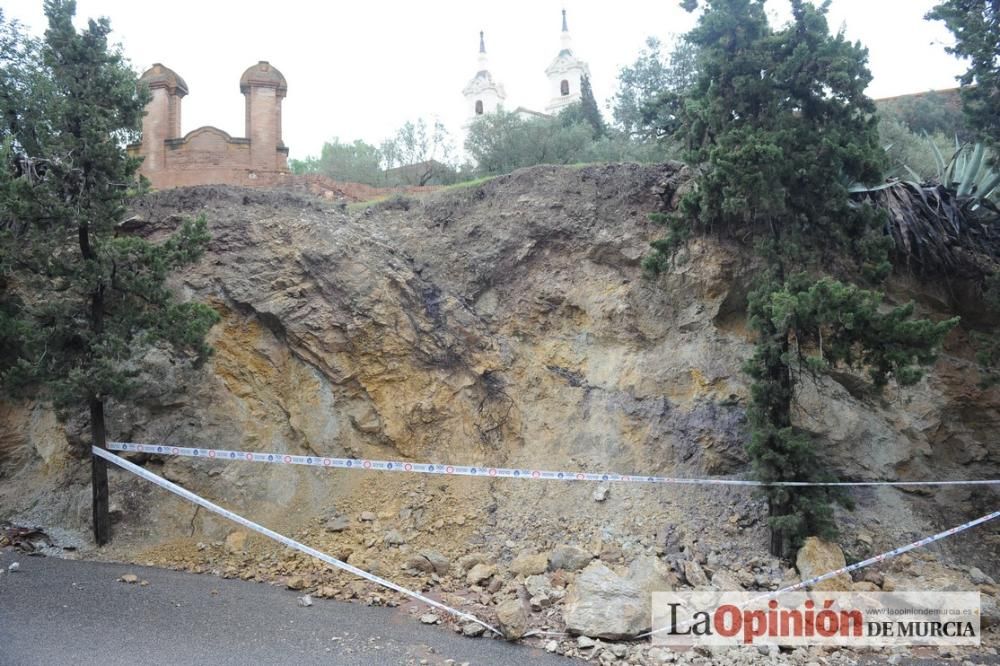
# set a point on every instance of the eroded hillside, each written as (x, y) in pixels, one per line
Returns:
(506, 323)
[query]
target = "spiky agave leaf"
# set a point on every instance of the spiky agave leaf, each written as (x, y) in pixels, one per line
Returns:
(931, 228)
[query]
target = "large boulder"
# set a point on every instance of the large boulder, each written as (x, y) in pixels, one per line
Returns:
(817, 557)
(602, 604)
(512, 617)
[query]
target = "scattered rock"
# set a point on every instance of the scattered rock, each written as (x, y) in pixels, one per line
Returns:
(296, 583)
(538, 586)
(144, 583)
(817, 557)
(661, 656)
(466, 562)
(394, 538)
(305, 601)
(338, 524)
(864, 586)
(473, 629)
(602, 604)
(512, 618)
(367, 517)
(236, 541)
(429, 618)
(601, 493)
(480, 573)
(651, 575)
(530, 564)
(611, 552)
(977, 577)
(439, 563)
(131, 579)
(551, 646)
(694, 574)
(584, 642)
(569, 558)
(725, 581)
(14, 566)
(418, 563)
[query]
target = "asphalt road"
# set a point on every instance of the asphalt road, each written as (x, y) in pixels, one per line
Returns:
(56, 611)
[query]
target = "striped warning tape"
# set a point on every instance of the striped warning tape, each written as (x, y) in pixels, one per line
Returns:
(280, 538)
(878, 559)
(491, 472)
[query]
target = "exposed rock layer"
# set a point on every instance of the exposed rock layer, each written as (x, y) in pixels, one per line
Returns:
(504, 323)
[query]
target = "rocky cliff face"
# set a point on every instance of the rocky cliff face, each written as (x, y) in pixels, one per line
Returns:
(504, 323)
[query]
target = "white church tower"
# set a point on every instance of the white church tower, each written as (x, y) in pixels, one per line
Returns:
(482, 94)
(565, 74)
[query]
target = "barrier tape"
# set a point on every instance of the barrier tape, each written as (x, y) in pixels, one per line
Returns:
(889, 554)
(492, 472)
(291, 543)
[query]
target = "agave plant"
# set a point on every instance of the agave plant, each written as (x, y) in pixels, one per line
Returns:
(971, 176)
(944, 223)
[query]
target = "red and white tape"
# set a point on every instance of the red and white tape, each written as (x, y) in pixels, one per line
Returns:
(280, 538)
(485, 471)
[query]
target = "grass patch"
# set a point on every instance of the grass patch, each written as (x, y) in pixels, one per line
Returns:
(359, 206)
(466, 183)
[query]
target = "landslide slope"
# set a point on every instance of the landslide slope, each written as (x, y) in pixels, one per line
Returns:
(501, 323)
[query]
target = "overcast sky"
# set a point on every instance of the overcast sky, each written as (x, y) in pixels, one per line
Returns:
(359, 69)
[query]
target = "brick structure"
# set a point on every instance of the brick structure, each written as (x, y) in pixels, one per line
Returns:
(207, 155)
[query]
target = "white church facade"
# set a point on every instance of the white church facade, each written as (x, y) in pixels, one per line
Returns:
(483, 94)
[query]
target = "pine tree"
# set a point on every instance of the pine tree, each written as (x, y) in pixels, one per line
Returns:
(976, 27)
(778, 123)
(83, 297)
(588, 105)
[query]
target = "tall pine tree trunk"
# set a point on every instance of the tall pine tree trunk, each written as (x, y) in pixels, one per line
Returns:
(99, 474)
(98, 431)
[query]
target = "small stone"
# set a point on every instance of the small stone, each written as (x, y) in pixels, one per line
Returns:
(978, 577)
(131, 579)
(439, 562)
(236, 541)
(296, 583)
(529, 564)
(618, 650)
(393, 538)
(864, 586)
(429, 618)
(201, 545)
(466, 562)
(569, 558)
(338, 524)
(584, 642)
(306, 601)
(601, 493)
(694, 574)
(480, 574)
(769, 650)
(473, 629)
(14, 566)
(551, 646)
(367, 517)
(538, 586)
(539, 603)
(144, 583)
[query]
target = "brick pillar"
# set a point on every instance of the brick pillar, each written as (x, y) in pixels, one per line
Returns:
(264, 87)
(163, 117)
